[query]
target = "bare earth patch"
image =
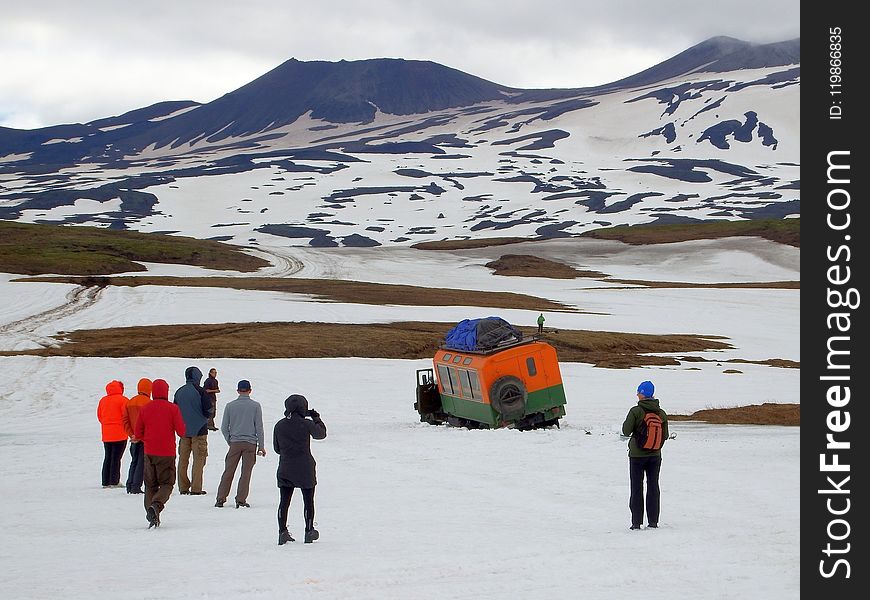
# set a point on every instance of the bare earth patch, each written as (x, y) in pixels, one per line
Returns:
(781, 285)
(468, 244)
(524, 265)
(406, 340)
(782, 231)
(337, 290)
(756, 414)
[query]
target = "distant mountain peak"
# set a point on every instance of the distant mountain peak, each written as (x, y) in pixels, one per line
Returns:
(717, 55)
(342, 91)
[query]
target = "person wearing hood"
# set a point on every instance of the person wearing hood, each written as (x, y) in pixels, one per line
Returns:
(195, 406)
(297, 468)
(158, 423)
(135, 475)
(110, 414)
(644, 462)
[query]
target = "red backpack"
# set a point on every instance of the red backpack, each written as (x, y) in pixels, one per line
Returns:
(649, 434)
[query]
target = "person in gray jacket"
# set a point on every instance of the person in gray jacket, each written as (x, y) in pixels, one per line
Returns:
(242, 427)
(296, 467)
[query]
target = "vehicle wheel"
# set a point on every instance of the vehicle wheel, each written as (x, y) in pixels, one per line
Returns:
(508, 397)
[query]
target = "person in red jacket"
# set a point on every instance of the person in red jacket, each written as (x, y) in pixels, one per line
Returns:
(131, 414)
(158, 424)
(110, 413)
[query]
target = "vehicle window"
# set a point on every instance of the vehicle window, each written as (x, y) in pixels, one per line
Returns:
(467, 360)
(471, 382)
(530, 365)
(457, 358)
(454, 382)
(444, 379)
(447, 357)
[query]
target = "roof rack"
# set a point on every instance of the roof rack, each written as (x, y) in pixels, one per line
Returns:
(494, 349)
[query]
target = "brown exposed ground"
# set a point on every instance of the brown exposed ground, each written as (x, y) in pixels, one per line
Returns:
(336, 290)
(409, 340)
(756, 414)
(606, 349)
(468, 244)
(783, 231)
(780, 285)
(31, 249)
(524, 265)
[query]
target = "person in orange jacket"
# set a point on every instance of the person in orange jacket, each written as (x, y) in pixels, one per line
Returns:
(110, 413)
(135, 476)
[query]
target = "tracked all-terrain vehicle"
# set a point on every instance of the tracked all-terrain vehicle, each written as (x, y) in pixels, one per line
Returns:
(502, 380)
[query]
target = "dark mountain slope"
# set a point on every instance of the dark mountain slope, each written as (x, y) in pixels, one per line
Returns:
(340, 92)
(715, 55)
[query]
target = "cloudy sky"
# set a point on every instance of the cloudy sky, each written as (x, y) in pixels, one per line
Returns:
(67, 62)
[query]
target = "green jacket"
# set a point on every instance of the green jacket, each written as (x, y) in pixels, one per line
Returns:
(635, 416)
(540, 319)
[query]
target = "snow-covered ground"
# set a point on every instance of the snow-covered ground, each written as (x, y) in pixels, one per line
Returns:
(408, 510)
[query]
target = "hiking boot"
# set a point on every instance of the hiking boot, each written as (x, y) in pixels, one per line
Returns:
(311, 535)
(184, 492)
(200, 493)
(284, 537)
(635, 527)
(653, 526)
(219, 503)
(153, 516)
(245, 504)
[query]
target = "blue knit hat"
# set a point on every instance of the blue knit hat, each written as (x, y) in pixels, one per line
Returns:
(646, 389)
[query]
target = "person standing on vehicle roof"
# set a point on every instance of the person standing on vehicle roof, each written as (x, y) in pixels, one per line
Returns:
(645, 461)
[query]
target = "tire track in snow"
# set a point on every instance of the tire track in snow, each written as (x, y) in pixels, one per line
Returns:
(78, 299)
(283, 265)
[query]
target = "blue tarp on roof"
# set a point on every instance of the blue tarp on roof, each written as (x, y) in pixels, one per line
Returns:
(480, 334)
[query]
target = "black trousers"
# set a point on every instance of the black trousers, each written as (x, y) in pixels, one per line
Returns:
(136, 474)
(113, 451)
(648, 466)
(284, 507)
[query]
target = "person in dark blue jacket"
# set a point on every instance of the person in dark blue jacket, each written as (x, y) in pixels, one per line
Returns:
(195, 407)
(297, 467)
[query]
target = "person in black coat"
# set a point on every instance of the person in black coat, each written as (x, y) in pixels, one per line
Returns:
(296, 467)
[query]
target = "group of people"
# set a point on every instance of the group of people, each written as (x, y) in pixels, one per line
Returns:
(151, 424)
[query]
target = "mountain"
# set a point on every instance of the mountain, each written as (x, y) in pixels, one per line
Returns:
(392, 151)
(338, 92)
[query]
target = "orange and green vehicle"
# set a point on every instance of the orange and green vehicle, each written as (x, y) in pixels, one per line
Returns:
(513, 384)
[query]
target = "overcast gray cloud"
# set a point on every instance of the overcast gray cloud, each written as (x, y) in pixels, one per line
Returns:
(66, 62)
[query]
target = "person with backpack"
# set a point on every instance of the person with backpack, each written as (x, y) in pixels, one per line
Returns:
(647, 424)
(195, 406)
